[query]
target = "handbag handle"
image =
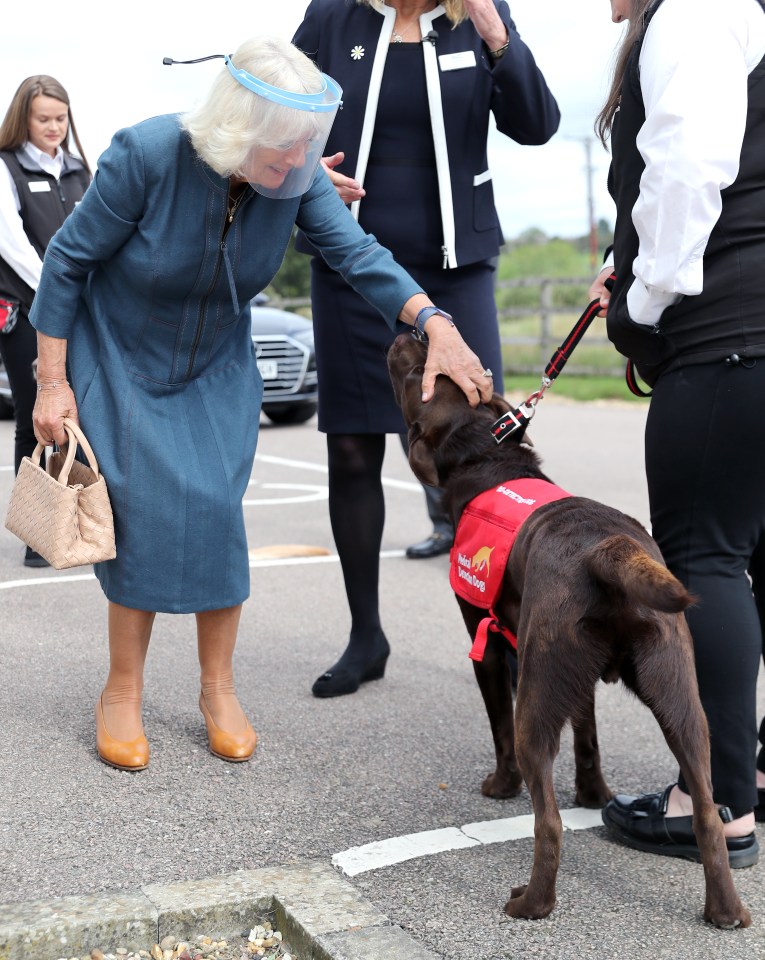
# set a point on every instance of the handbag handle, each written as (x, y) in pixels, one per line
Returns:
(75, 436)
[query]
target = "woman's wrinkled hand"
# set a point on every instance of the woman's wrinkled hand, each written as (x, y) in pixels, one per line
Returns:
(450, 355)
(53, 404)
(599, 291)
(487, 22)
(348, 189)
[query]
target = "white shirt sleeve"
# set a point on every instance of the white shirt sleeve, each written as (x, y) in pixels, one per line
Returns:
(15, 247)
(694, 66)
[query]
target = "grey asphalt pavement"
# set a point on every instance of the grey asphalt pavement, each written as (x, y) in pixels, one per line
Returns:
(87, 851)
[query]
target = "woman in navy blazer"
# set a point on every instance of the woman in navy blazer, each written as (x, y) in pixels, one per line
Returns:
(408, 152)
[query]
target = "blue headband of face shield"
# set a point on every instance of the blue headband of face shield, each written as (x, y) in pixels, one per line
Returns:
(327, 100)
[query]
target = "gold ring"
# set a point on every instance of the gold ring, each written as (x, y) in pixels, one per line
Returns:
(487, 373)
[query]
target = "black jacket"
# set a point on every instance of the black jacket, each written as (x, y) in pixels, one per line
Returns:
(512, 89)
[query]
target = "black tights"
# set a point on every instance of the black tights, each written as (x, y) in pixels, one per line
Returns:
(19, 351)
(357, 516)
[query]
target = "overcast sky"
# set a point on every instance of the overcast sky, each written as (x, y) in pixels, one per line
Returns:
(111, 65)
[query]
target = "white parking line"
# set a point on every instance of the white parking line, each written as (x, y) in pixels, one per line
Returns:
(386, 853)
(280, 562)
(311, 492)
(45, 581)
(321, 468)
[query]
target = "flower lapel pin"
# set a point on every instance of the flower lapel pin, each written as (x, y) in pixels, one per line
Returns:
(357, 52)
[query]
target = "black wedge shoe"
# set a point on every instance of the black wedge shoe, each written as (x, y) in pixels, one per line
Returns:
(338, 681)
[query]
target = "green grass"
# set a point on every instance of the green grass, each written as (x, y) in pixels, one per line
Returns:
(571, 386)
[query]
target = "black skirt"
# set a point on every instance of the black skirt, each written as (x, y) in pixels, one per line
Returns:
(355, 392)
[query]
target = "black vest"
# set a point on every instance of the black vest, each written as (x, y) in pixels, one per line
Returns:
(42, 212)
(728, 316)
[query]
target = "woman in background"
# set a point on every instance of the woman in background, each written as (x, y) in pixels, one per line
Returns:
(40, 184)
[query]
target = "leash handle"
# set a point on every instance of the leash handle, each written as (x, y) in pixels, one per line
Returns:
(630, 375)
(630, 371)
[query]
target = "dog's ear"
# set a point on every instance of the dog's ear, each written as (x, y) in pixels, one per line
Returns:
(498, 405)
(421, 457)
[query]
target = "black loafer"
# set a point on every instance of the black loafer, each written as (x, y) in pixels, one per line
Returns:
(436, 545)
(640, 823)
(33, 559)
(759, 810)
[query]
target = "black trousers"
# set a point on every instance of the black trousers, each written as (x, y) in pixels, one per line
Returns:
(705, 464)
(19, 351)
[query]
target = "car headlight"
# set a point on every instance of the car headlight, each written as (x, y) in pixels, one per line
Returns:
(304, 336)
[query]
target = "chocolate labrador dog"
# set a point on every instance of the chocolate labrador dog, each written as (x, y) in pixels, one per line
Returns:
(586, 593)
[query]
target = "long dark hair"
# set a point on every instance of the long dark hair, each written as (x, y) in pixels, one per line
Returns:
(605, 118)
(14, 131)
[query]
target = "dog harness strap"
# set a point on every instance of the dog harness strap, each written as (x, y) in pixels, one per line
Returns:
(478, 649)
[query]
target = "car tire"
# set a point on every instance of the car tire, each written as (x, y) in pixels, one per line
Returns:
(292, 414)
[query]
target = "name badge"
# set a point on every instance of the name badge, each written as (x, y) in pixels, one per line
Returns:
(38, 186)
(457, 61)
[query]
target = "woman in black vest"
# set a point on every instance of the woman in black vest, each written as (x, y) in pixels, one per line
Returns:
(40, 184)
(686, 119)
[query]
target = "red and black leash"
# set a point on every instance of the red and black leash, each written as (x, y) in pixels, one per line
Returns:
(518, 418)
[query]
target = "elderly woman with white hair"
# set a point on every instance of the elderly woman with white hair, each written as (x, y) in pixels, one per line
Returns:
(143, 324)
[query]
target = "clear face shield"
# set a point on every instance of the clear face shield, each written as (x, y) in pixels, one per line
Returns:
(284, 165)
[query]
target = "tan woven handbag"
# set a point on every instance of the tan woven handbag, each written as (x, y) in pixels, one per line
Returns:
(63, 512)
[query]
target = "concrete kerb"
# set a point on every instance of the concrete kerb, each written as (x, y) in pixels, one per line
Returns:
(321, 916)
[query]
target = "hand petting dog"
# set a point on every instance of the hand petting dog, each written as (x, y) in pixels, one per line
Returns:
(448, 354)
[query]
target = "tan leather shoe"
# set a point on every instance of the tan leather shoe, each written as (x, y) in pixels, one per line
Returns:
(122, 754)
(234, 747)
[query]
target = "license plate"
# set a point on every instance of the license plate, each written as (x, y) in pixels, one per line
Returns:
(269, 369)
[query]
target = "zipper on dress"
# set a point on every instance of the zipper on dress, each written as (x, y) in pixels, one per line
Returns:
(201, 317)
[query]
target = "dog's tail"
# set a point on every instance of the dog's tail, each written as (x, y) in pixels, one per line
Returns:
(621, 563)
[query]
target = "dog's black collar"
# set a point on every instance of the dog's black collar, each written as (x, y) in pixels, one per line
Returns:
(514, 422)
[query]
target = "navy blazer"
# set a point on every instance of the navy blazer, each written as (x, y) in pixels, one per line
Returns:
(349, 41)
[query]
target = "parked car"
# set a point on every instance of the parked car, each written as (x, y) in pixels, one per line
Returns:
(6, 404)
(287, 362)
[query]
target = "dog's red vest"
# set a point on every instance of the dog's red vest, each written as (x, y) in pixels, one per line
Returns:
(485, 536)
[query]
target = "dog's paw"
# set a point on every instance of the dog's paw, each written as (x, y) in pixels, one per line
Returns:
(502, 787)
(593, 795)
(521, 906)
(730, 918)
